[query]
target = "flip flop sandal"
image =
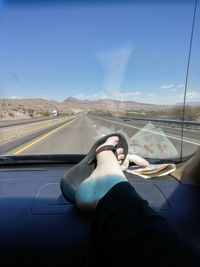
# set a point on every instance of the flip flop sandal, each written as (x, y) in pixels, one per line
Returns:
(78, 173)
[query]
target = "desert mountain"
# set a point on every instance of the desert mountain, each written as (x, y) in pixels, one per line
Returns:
(26, 108)
(113, 105)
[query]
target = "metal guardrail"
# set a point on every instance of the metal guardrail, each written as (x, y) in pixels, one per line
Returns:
(171, 123)
(195, 125)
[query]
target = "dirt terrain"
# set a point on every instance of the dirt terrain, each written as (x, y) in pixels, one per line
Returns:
(33, 108)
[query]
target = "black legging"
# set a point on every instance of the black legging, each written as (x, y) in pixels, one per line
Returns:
(126, 232)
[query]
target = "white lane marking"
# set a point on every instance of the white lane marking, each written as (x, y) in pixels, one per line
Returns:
(91, 122)
(131, 126)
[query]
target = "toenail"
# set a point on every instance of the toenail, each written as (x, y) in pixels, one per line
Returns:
(116, 138)
(120, 151)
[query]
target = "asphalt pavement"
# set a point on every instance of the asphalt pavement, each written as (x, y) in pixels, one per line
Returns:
(78, 135)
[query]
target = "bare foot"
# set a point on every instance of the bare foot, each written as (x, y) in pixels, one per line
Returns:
(107, 173)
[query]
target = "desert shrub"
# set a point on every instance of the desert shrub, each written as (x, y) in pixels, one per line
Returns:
(191, 113)
(30, 112)
(45, 113)
(11, 114)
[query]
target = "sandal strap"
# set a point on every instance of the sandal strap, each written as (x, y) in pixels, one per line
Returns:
(106, 147)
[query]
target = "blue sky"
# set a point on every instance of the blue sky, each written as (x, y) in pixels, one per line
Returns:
(133, 52)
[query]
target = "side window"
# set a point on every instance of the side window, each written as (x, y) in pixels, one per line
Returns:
(191, 129)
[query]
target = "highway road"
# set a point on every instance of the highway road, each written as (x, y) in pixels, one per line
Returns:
(188, 133)
(78, 135)
(8, 123)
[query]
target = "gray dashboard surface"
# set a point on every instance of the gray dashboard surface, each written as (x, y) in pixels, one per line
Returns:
(36, 216)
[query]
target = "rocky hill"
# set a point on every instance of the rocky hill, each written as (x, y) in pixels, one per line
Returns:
(27, 108)
(113, 105)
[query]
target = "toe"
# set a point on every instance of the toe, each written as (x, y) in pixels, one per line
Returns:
(120, 156)
(120, 151)
(113, 140)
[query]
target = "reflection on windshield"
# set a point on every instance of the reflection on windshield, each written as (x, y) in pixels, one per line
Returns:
(72, 73)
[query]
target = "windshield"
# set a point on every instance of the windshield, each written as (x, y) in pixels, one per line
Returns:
(71, 73)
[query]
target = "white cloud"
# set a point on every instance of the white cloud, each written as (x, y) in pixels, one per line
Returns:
(96, 96)
(136, 96)
(124, 96)
(193, 95)
(167, 86)
(190, 95)
(139, 96)
(172, 86)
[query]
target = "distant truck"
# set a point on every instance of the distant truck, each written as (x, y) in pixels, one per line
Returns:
(55, 113)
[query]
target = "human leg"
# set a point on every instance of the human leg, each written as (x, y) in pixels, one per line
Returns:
(125, 231)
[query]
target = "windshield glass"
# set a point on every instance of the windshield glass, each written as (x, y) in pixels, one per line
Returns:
(71, 73)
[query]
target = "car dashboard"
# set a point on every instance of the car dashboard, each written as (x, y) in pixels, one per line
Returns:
(39, 224)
